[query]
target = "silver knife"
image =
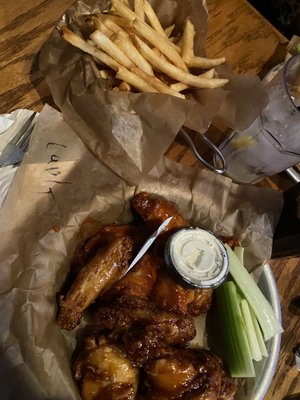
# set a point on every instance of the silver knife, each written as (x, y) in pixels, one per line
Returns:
(149, 242)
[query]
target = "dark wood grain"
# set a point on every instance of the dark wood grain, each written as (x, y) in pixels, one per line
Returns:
(250, 44)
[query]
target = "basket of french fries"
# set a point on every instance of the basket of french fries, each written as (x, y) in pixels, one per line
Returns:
(129, 75)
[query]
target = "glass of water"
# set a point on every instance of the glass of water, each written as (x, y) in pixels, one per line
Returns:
(272, 143)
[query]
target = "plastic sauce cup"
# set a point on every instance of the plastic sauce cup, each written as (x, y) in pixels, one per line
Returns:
(197, 257)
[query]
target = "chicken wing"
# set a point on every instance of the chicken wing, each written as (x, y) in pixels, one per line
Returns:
(97, 276)
(187, 375)
(105, 372)
(101, 237)
(170, 296)
(154, 212)
(144, 331)
(138, 282)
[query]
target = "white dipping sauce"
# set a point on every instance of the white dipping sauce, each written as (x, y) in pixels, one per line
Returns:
(199, 257)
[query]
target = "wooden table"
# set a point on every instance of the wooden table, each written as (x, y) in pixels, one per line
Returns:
(237, 31)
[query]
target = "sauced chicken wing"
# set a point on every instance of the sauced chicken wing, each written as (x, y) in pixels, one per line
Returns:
(187, 375)
(101, 237)
(105, 372)
(170, 296)
(144, 331)
(139, 281)
(97, 276)
(154, 212)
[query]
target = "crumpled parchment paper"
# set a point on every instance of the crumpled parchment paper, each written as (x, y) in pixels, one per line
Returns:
(60, 187)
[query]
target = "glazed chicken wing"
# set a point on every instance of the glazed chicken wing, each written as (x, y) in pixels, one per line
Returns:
(154, 211)
(105, 372)
(97, 276)
(187, 375)
(144, 331)
(101, 237)
(139, 281)
(170, 296)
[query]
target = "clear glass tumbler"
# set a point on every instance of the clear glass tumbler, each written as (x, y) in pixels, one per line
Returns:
(272, 143)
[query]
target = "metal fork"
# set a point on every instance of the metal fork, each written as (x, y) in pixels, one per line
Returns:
(13, 152)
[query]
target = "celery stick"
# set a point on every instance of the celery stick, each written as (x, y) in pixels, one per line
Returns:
(261, 307)
(262, 346)
(239, 252)
(250, 332)
(237, 351)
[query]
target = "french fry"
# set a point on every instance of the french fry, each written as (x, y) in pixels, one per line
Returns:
(169, 30)
(179, 87)
(105, 44)
(126, 2)
(187, 50)
(176, 73)
(103, 74)
(81, 44)
(91, 43)
(112, 25)
(124, 87)
(139, 9)
(118, 21)
(157, 83)
(134, 80)
(122, 40)
(152, 17)
(123, 11)
(202, 62)
(98, 24)
(160, 42)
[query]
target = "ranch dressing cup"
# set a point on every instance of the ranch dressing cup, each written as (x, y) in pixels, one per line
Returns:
(197, 257)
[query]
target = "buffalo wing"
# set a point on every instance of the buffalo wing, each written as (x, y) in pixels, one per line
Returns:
(98, 275)
(104, 372)
(170, 296)
(144, 331)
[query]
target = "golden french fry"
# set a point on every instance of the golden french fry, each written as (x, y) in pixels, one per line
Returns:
(81, 44)
(173, 39)
(122, 40)
(91, 43)
(124, 87)
(157, 83)
(187, 50)
(153, 20)
(202, 62)
(105, 44)
(139, 9)
(123, 11)
(176, 73)
(160, 42)
(169, 30)
(103, 74)
(179, 87)
(118, 21)
(126, 2)
(111, 24)
(98, 24)
(134, 80)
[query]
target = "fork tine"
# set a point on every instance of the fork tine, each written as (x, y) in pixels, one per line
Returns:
(23, 129)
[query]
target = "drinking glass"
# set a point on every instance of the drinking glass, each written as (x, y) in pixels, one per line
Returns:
(272, 143)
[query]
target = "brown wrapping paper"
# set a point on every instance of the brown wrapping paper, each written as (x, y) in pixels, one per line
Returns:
(58, 186)
(139, 128)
